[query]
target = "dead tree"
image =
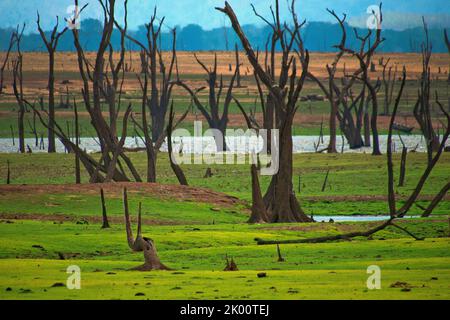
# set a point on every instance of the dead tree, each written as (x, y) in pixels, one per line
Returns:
(401, 180)
(173, 164)
(77, 143)
(389, 80)
(216, 117)
(156, 82)
(18, 88)
(422, 109)
(394, 213)
(284, 91)
(259, 212)
(103, 80)
(105, 224)
(51, 45)
(346, 106)
(8, 173)
(140, 243)
(329, 90)
(447, 42)
(5, 61)
(238, 68)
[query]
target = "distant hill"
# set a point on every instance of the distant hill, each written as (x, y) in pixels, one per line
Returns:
(318, 36)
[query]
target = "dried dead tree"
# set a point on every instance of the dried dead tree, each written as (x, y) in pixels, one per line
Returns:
(401, 180)
(238, 68)
(329, 90)
(394, 213)
(280, 257)
(389, 80)
(259, 212)
(156, 82)
(77, 143)
(105, 224)
(173, 164)
(284, 92)
(6, 60)
(151, 259)
(18, 88)
(104, 80)
(422, 109)
(230, 265)
(324, 186)
(216, 116)
(346, 106)
(8, 172)
(51, 45)
(447, 42)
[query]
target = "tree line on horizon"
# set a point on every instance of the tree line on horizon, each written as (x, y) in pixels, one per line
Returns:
(318, 36)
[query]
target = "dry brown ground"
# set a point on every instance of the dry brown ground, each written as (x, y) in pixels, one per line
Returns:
(177, 192)
(35, 68)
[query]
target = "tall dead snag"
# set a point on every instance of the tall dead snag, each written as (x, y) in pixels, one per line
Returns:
(401, 180)
(103, 80)
(346, 105)
(77, 143)
(365, 58)
(156, 81)
(8, 173)
(284, 92)
(329, 90)
(259, 213)
(173, 164)
(18, 88)
(394, 213)
(422, 109)
(217, 119)
(5, 61)
(389, 80)
(238, 67)
(447, 42)
(51, 45)
(105, 224)
(151, 259)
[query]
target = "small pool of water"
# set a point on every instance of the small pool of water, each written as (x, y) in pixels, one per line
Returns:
(353, 218)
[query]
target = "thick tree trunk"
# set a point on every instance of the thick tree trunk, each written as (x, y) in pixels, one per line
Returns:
(280, 200)
(259, 214)
(152, 261)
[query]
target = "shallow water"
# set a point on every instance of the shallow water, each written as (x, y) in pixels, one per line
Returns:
(302, 144)
(350, 218)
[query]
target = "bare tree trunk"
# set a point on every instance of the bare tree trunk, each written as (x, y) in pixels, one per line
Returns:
(104, 215)
(259, 214)
(77, 142)
(8, 173)
(401, 182)
(51, 48)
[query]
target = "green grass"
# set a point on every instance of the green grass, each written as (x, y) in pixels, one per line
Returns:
(193, 240)
(330, 270)
(351, 175)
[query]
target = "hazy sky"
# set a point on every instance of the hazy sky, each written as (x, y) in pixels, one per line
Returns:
(399, 14)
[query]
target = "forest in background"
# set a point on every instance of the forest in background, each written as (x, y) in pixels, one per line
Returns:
(318, 36)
